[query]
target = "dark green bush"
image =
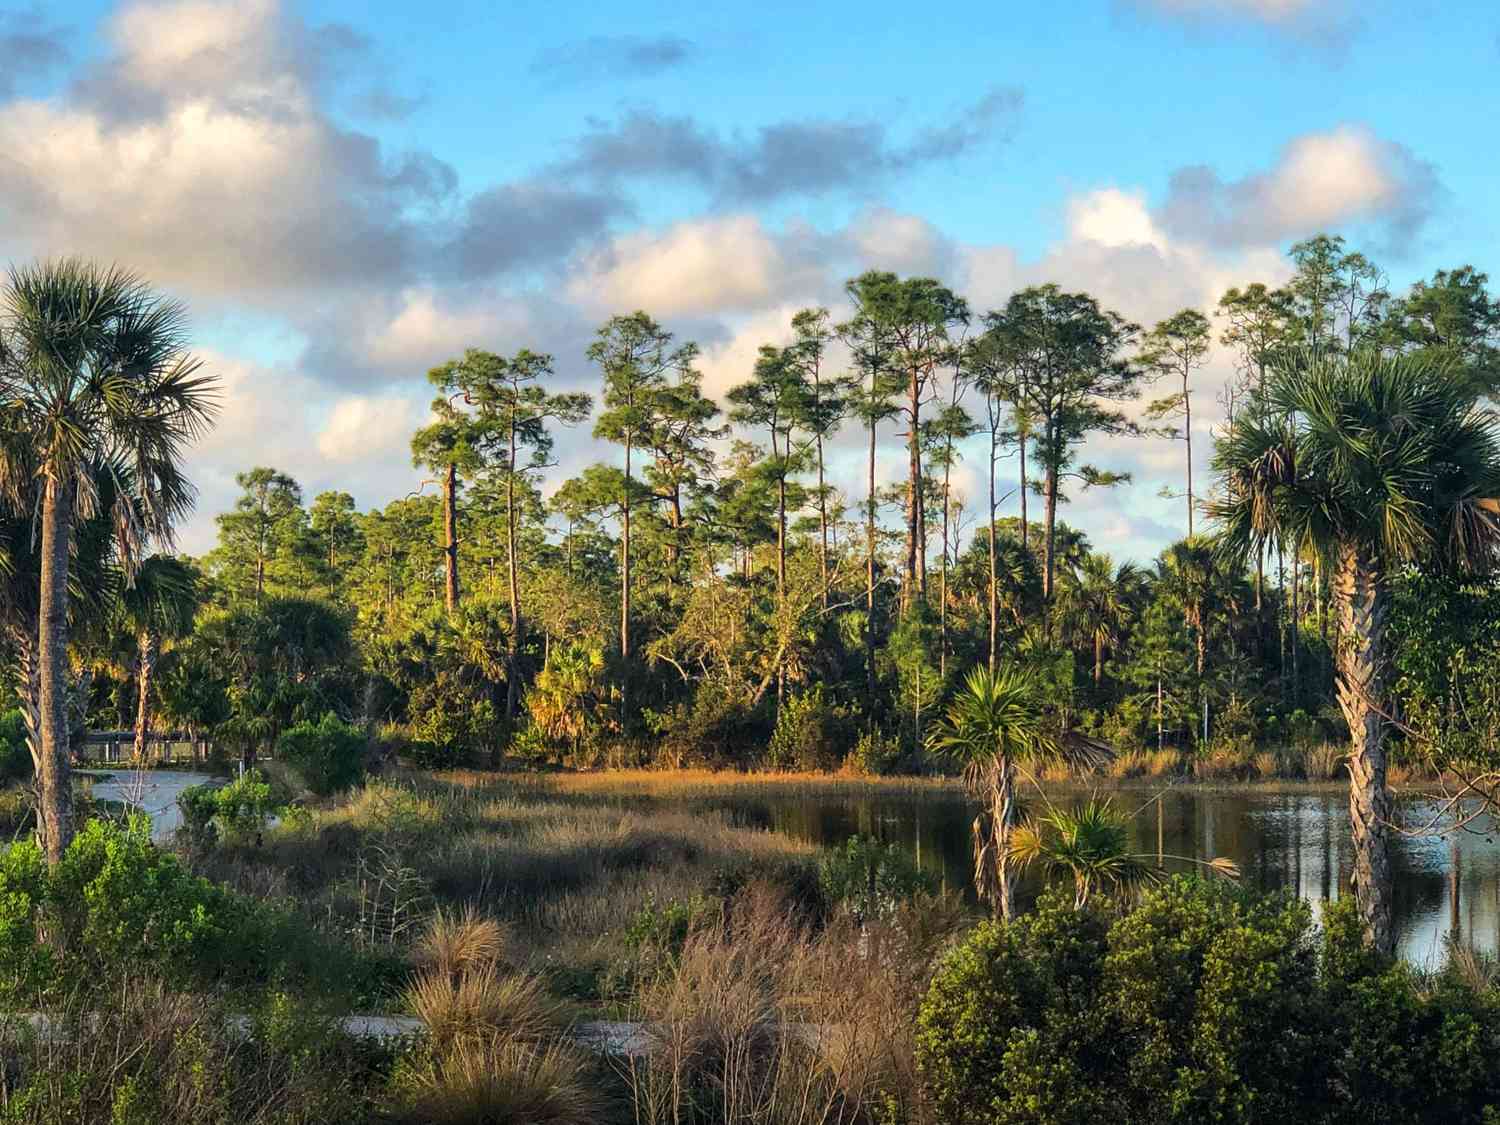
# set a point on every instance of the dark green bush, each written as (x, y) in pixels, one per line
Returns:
(328, 755)
(1202, 1004)
(15, 758)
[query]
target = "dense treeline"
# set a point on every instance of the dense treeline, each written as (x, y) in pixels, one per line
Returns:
(705, 594)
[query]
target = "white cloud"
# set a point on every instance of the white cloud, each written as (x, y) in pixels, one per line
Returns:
(1344, 176)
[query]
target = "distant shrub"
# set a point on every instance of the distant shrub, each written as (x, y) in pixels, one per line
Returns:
(213, 812)
(809, 733)
(870, 879)
(452, 724)
(875, 755)
(329, 755)
(718, 726)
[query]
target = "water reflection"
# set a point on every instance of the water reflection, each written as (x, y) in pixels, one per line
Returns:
(1294, 841)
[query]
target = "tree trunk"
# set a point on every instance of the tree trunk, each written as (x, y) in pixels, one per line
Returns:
(513, 663)
(994, 580)
(1098, 659)
(1363, 607)
(625, 561)
(54, 777)
(822, 523)
(1003, 813)
(1187, 436)
(450, 538)
(916, 577)
(870, 575)
(1049, 555)
(149, 647)
(1025, 523)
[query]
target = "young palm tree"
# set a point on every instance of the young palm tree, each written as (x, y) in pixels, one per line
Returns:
(994, 726)
(158, 606)
(93, 372)
(1375, 463)
(1091, 846)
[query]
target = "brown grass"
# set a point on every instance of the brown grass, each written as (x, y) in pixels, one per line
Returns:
(762, 1019)
(501, 1080)
(458, 941)
(482, 1002)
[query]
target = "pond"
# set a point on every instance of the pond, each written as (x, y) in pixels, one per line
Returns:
(154, 792)
(1297, 841)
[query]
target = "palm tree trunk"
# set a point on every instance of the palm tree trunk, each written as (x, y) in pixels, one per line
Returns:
(54, 780)
(450, 539)
(1361, 659)
(149, 648)
(1003, 814)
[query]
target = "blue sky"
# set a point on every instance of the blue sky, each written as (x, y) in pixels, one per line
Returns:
(347, 193)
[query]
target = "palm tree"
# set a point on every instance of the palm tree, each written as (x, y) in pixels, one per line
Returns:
(159, 605)
(1375, 463)
(1096, 603)
(994, 726)
(93, 372)
(1091, 846)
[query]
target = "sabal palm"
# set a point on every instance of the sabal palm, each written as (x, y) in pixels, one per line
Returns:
(996, 723)
(93, 372)
(1375, 463)
(159, 605)
(1096, 604)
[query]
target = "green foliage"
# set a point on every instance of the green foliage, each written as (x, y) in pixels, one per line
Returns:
(328, 755)
(810, 733)
(875, 754)
(238, 809)
(15, 758)
(1202, 1004)
(114, 900)
(870, 879)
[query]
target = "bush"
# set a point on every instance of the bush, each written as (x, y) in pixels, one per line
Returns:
(329, 755)
(239, 809)
(1202, 1004)
(808, 734)
(870, 879)
(114, 900)
(874, 755)
(718, 727)
(15, 758)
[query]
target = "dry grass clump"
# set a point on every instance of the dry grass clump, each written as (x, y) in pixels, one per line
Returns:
(482, 1001)
(1223, 763)
(761, 1019)
(1325, 762)
(462, 994)
(1164, 763)
(498, 1080)
(1128, 764)
(1265, 765)
(455, 941)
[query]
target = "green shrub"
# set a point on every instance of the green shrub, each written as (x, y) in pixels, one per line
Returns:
(808, 734)
(870, 879)
(1202, 1004)
(114, 900)
(329, 755)
(239, 809)
(875, 755)
(15, 758)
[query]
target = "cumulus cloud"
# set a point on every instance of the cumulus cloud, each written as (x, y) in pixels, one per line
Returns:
(603, 57)
(788, 158)
(1347, 175)
(699, 267)
(226, 177)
